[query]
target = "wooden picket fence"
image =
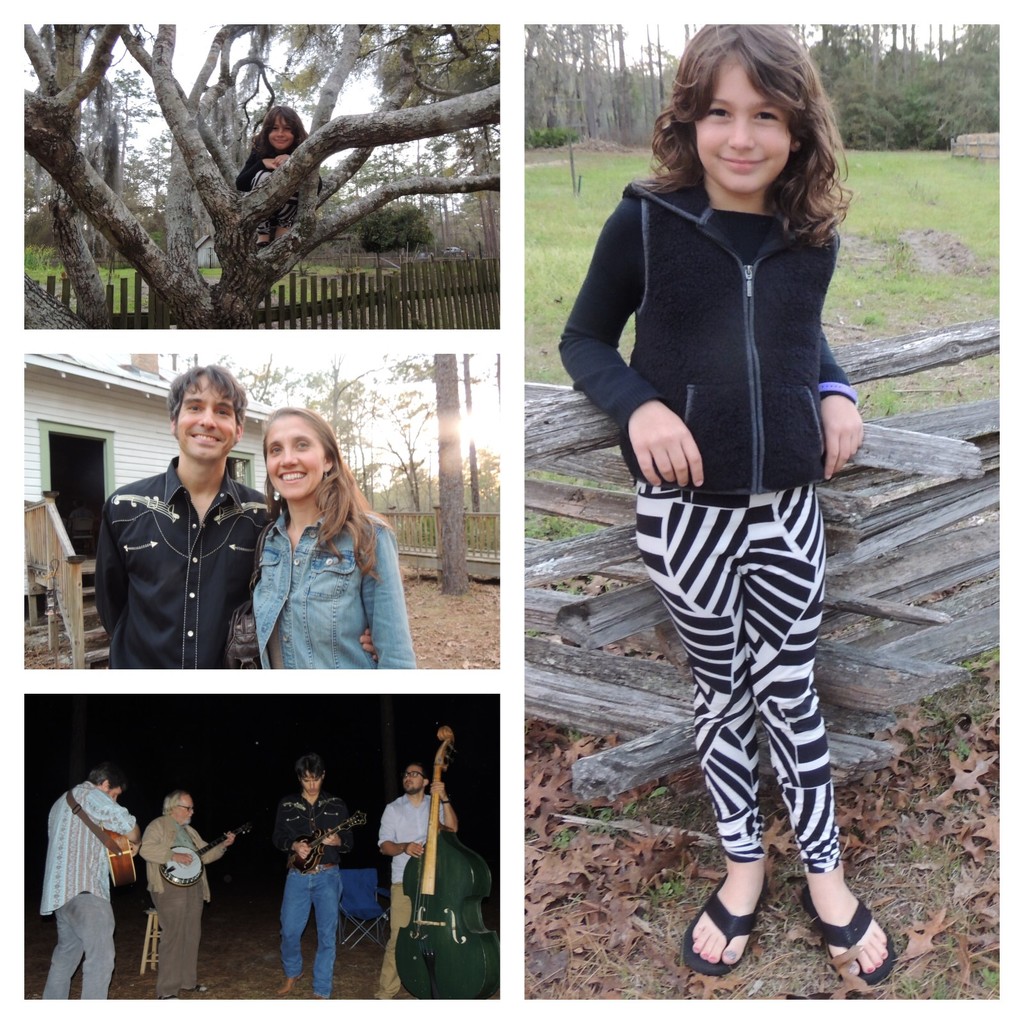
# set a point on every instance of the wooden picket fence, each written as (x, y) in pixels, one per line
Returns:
(442, 295)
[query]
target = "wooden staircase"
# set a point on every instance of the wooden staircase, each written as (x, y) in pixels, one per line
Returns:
(53, 567)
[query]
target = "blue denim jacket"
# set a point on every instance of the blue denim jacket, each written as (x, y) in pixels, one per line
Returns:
(324, 603)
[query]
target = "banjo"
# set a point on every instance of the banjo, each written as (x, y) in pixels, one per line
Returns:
(188, 874)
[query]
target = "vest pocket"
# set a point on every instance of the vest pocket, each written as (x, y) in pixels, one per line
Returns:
(794, 439)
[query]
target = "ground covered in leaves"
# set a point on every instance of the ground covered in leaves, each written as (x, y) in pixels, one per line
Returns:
(607, 902)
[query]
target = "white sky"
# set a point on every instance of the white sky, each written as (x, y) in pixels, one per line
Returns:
(486, 422)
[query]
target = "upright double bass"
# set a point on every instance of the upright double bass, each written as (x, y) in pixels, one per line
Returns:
(445, 952)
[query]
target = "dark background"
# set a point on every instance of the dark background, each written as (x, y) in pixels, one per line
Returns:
(236, 755)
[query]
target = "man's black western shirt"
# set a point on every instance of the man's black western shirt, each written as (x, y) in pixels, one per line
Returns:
(297, 819)
(168, 581)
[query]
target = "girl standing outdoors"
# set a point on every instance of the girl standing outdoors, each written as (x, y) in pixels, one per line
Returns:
(731, 409)
(282, 133)
(329, 568)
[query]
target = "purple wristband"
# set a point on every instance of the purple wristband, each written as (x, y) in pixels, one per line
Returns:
(834, 387)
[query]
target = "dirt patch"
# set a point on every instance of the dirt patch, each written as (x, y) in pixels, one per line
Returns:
(453, 632)
(931, 252)
(447, 632)
(938, 252)
(239, 957)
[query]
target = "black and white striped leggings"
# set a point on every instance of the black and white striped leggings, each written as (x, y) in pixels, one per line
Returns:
(283, 218)
(742, 577)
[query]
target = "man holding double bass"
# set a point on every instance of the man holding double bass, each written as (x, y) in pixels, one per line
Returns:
(76, 881)
(310, 828)
(403, 834)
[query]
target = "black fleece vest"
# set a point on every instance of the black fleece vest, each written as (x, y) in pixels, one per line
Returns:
(733, 348)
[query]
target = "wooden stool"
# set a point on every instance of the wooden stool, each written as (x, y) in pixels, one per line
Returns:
(149, 947)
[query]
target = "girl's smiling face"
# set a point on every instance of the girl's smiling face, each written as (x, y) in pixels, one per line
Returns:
(743, 142)
(281, 136)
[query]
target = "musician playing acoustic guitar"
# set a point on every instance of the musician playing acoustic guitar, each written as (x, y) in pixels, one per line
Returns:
(403, 831)
(76, 882)
(313, 880)
(167, 841)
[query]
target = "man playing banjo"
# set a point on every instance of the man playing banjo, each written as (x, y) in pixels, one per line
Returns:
(167, 842)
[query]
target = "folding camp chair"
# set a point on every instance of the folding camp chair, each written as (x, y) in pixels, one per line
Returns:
(362, 916)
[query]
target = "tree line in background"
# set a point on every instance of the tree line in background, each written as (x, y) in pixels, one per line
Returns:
(388, 422)
(893, 86)
(95, 189)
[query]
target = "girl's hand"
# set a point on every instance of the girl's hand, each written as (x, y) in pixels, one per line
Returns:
(278, 160)
(844, 432)
(664, 445)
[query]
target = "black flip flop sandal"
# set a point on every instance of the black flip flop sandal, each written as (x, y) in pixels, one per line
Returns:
(729, 925)
(847, 936)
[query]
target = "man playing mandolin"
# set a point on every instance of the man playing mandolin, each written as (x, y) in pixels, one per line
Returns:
(311, 828)
(403, 833)
(76, 882)
(169, 841)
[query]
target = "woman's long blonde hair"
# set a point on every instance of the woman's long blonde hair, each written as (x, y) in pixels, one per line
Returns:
(808, 193)
(343, 505)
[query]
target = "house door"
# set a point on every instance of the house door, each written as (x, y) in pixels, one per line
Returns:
(77, 472)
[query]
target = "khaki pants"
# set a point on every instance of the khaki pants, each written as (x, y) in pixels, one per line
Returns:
(181, 917)
(401, 915)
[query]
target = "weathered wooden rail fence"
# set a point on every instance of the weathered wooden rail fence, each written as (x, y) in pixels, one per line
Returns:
(912, 578)
(447, 294)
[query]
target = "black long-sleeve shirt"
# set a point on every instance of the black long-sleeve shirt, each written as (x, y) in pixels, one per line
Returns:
(244, 181)
(297, 819)
(728, 314)
(168, 581)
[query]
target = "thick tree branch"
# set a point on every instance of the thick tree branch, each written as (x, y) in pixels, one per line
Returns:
(102, 56)
(369, 130)
(41, 63)
(350, 166)
(332, 226)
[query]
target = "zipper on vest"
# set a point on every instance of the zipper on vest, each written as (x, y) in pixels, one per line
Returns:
(756, 408)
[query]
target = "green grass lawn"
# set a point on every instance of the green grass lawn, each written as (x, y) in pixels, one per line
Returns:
(880, 289)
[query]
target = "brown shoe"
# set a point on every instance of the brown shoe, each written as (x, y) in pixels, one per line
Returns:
(289, 984)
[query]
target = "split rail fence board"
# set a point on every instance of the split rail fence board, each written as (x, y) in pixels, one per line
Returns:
(885, 520)
(442, 295)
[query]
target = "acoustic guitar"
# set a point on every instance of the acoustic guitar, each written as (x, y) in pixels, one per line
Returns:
(188, 874)
(122, 864)
(316, 844)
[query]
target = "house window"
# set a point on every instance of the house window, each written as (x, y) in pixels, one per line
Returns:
(240, 470)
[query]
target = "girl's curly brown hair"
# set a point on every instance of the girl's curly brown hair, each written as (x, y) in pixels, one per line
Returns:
(261, 144)
(808, 193)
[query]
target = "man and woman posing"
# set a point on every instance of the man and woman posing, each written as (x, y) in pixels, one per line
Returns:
(175, 553)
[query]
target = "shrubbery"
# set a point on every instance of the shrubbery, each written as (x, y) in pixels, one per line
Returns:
(40, 258)
(550, 138)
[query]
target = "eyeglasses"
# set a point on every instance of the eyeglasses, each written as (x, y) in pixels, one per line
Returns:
(187, 808)
(413, 775)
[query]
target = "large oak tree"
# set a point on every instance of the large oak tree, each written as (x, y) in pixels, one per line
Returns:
(204, 168)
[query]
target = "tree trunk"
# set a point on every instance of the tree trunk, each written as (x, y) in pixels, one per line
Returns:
(455, 579)
(44, 311)
(474, 472)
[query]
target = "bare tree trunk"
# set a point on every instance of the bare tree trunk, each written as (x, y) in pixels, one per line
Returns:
(455, 577)
(78, 262)
(474, 472)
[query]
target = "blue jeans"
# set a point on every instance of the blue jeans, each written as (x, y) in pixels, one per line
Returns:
(322, 892)
(85, 927)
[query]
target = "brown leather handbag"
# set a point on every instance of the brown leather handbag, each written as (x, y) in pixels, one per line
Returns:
(242, 649)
